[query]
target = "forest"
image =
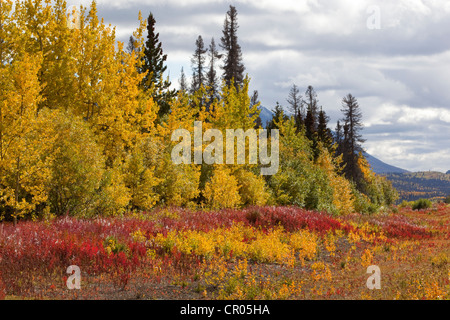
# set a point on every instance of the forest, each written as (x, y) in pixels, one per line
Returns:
(88, 185)
(86, 124)
(416, 185)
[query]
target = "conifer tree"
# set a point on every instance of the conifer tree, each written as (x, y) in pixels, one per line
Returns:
(352, 137)
(324, 134)
(254, 101)
(278, 116)
(309, 125)
(211, 76)
(154, 65)
(312, 107)
(233, 67)
(296, 106)
(198, 65)
(131, 46)
(338, 137)
(183, 81)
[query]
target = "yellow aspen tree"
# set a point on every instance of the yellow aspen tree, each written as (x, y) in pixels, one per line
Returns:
(235, 111)
(377, 188)
(252, 188)
(342, 191)
(141, 181)
(19, 99)
(108, 93)
(180, 182)
(114, 195)
(222, 190)
(74, 160)
(45, 26)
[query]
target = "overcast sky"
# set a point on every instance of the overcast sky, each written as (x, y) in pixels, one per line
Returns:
(393, 56)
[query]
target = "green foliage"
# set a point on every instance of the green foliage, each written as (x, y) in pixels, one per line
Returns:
(76, 164)
(139, 177)
(112, 245)
(421, 204)
(447, 200)
(362, 203)
(417, 204)
(299, 180)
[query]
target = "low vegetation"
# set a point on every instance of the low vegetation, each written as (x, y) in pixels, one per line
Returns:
(253, 253)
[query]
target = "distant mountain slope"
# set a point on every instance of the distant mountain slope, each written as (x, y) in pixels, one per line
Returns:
(265, 115)
(380, 167)
(416, 185)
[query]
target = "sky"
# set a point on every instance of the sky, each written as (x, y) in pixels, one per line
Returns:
(393, 56)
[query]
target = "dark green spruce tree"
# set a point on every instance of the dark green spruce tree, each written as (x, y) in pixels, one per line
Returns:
(338, 138)
(312, 107)
(212, 81)
(324, 134)
(183, 82)
(233, 68)
(352, 142)
(254, 100)
(154, 67)
(277, 117)
(311, 119)
(198, 65)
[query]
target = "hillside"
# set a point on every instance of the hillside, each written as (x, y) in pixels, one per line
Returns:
(415, 185)
(380, 167)
(265, 115)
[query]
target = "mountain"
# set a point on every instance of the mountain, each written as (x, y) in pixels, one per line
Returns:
(415, 185)
(380, 167)
(448, 172)
(265, 115)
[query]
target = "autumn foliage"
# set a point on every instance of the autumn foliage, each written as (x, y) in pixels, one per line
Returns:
(251, 253)
(81, 135)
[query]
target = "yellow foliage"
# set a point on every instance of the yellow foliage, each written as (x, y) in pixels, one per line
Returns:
(20, 160)
(330, 243)
(304, 243)
(141, 181)
(252, 188)
(321, 271)
(269, 247)
(138, 236)
(342, 192)
(222, 191)
(114, 196)
(367, 258)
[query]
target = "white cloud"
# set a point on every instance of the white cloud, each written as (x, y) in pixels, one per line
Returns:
(409, 115)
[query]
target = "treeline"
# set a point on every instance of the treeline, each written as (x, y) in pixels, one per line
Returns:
(415, 185)
(86, 125)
